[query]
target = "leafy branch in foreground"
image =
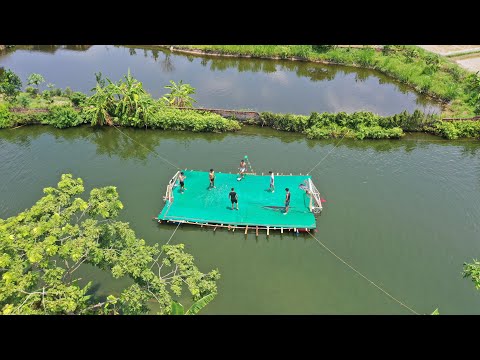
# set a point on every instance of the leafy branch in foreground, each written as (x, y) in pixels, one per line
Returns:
(472, 271)
(43, 247)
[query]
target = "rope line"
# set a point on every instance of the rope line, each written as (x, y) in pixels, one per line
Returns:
(308, 173)
(174, 231)
(139, 143)
(359, 273)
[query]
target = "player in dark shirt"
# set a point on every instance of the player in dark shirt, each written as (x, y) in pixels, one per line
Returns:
(233, 197)
(287, 201)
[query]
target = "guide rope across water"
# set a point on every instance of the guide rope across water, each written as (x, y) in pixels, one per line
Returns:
(152, 150)
(363, 276)
(309, 232)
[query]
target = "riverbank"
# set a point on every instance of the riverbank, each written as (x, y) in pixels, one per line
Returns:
(126, 103)
(358, 125)
(427, 73)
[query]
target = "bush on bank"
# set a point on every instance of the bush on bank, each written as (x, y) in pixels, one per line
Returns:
(359, 125)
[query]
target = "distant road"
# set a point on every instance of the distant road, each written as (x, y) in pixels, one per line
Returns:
(468, 61)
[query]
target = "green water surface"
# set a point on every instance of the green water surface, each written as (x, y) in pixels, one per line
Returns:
(405, 213)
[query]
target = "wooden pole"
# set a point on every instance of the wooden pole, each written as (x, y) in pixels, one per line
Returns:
(246, 229)
(256, 233)
(268, 230)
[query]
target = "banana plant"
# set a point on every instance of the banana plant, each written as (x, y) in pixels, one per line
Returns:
(99, 105)
(177, 308)
(179, 94)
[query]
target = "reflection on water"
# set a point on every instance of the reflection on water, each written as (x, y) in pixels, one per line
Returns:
(111, 142)
(403, 212)
(223, 82)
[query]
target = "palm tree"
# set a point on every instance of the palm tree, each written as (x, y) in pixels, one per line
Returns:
(179, 94)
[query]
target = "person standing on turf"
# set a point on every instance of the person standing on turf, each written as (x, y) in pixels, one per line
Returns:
(211, 175)
(287, 201)
(272, 182)
(233, 197)
(243, 169)
(181, 179)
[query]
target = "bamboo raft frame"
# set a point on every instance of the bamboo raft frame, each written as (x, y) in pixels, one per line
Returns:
(240, 227)
(315, 207)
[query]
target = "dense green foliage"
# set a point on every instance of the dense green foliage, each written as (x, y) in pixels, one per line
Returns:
(179, 94)
(457, 129)
(178, 309)
(24, 100)
(473, 87)
(123, 103)
(167, 118)
(29, 118)
(426, 72)
(64, 116)
(36, 80)
(359, 125)
(127, 103)
(77, 98)
(472, 270)
(5, 117)
(42, 248)
(10, 83)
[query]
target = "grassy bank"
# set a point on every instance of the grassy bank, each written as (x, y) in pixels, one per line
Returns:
(424, 71)
(164, 118)
(126, 103)
(358, 125)
(366, 125)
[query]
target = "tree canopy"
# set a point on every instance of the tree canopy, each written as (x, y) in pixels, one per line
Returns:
(10, 83)
(42, 248)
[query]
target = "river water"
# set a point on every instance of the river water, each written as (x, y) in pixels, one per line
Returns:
(404, 213)
(262, 85)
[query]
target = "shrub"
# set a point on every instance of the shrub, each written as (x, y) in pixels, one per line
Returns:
(377, 132)
(10, 83)
(35, 79)
(24, 100)
(446, 129)
(409, 122)
(5, 117)
(322, 48)
(29, 118)
(78, 98)
(411, 54)
(68, 92)
(285, 122)
(57, 92)
(64, 116)
(433, 62)
(366, 57)
(31, 90)
(457, 129)
(361, 124)
(47, 95)
(454, 71)
(168, 118)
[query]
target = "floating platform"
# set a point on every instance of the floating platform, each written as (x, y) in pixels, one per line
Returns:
(259, 208)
